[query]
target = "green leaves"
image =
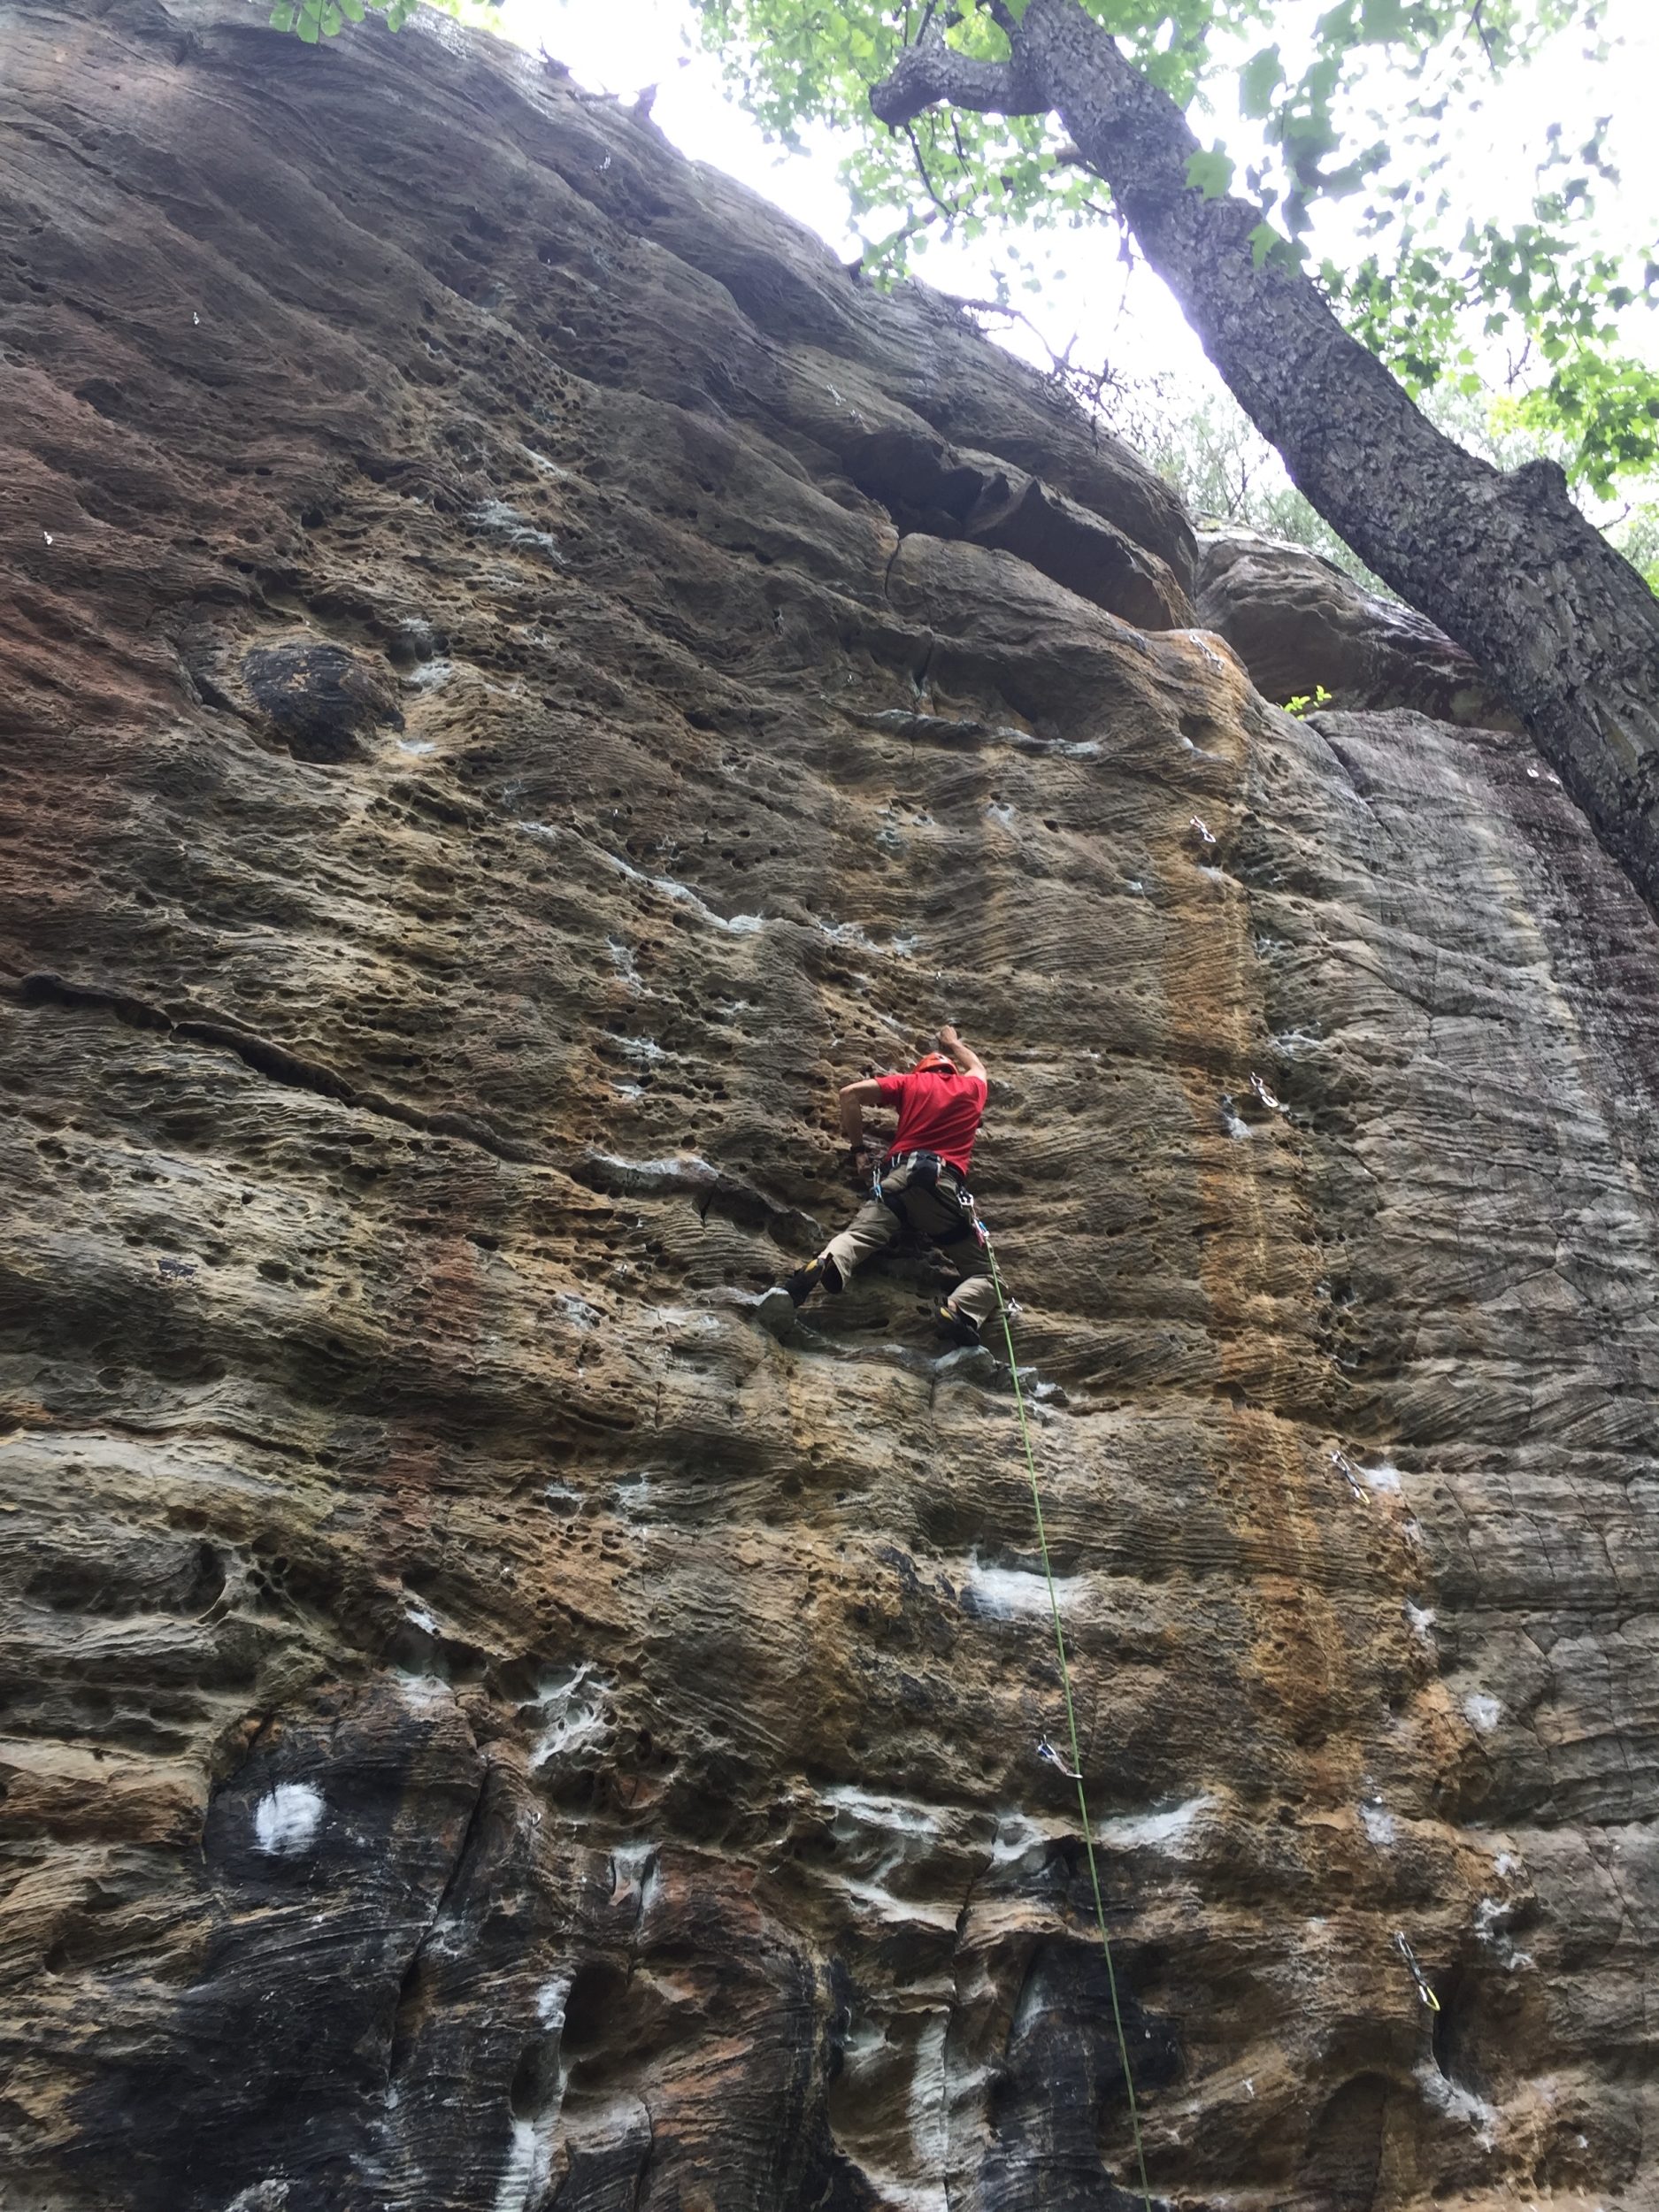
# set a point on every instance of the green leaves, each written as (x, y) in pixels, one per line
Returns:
(314, 20)
(1604, 409)
(1210, 173)
(1380, 20)
(1259, 79)
(1269, 246)
(1306, 702)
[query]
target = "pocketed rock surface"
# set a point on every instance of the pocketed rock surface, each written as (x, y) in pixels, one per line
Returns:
(522, 674)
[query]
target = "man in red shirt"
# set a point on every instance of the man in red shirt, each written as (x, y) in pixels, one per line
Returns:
(922, 1184)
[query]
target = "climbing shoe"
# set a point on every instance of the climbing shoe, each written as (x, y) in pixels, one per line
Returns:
(777, 1309)
(805, 1280)
(955, 1325)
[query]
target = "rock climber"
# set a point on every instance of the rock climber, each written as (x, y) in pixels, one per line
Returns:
(922, 1185)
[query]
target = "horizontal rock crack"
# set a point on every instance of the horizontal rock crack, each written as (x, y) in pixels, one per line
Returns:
(268, 1058)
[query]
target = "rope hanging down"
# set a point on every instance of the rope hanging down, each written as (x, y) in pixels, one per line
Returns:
(1071, 1720)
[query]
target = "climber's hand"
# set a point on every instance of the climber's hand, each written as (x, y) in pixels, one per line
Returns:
(961, 1055)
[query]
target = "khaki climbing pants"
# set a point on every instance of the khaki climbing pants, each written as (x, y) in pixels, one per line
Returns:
(874, 1226)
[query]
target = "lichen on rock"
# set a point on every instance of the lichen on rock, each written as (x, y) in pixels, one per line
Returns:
(487, 1726)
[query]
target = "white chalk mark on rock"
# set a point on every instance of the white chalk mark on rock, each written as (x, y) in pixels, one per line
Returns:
(1152, 1832)
(1006, 1593)
(286, 1821)
(1378, 1826)
(571, 1707)
(930, 2109)
(1482, 1712)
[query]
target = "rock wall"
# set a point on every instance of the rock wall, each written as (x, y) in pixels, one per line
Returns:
(521, 676)
(1303, 629)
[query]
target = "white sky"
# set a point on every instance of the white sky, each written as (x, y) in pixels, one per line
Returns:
(1125, 316)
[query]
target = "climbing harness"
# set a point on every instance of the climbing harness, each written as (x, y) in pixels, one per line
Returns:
(1074, 1772)
(944, 1185)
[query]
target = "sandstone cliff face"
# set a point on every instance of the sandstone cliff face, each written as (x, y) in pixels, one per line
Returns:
(521, 675)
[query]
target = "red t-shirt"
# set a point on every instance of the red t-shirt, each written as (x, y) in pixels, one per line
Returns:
(937, 1113)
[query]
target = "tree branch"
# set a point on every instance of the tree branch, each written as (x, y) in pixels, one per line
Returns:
(921, 168)
(930, 71)
(1478, 22)
(1089, 387)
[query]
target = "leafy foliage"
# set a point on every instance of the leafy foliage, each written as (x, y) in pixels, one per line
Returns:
(316, 20)
(1306, 702)
(1608, 405)
(1543, 280)
(1367, 114)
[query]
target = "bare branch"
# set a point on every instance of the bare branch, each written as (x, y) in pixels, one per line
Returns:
(1000, 307)
(947, 212)
(1089, 388)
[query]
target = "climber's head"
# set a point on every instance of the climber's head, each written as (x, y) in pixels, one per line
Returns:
(933, 1064)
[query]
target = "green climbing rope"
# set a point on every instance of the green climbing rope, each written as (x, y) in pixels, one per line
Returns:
(1070, 1721)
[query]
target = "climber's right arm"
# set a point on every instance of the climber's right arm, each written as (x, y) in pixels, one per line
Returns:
(855, 1098)
(965, 1058)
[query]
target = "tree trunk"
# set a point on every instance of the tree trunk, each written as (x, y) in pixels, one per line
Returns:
(1505, 563)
